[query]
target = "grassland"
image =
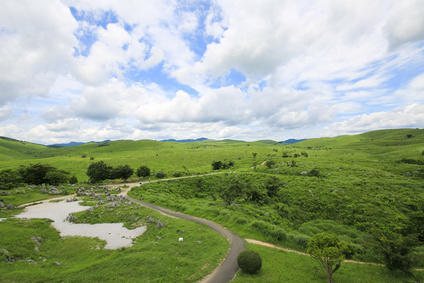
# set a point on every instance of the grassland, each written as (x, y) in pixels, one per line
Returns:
(280, 266)
(368, 185)
(156, 256)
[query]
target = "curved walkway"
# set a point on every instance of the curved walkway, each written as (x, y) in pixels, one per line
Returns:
(226, 271)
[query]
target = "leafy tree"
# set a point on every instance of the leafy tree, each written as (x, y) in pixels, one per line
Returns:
(35, 173)
(328, 250)
(56, 177)
(122, 172)
(9, 179)
(143, 171)
(254, 154)
(98, 171)
(73, 180)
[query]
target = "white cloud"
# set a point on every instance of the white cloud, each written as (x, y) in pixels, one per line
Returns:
(306, 64)
(405, 117)
(37, 44)
(5, 112)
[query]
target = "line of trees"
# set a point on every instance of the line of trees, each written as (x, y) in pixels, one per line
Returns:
(100, 171)
(34, 174)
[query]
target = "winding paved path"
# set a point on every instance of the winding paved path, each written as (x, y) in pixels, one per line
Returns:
(226, 271)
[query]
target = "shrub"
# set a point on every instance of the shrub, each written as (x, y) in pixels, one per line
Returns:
(270, 163)
(241, 221)
(314, 172)
(160, 175)
(177, 174)
(216, 165)
(279, 234)
(249, 261)
(73, 180)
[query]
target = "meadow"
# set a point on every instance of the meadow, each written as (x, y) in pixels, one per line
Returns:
(33, 251)
(368, 189)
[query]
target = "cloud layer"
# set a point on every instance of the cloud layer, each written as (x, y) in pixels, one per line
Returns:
(87, 70)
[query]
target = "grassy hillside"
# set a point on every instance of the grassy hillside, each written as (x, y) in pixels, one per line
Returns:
(363, 188)
(379, 150)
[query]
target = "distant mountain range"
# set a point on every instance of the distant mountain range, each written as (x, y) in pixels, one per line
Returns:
(72, 143)
(186, 140)
(292, 141)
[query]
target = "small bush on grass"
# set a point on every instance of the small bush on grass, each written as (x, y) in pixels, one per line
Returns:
(160, 175)
(249, 261)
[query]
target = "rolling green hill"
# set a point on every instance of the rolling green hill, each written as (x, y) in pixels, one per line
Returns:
(380, 150)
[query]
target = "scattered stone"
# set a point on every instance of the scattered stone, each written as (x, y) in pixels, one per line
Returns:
(101, 202)
(180, 239)
(304, 173)
(58, 263)
(54, 191)
(2, 205)
(10, 206)
(4, 251)
(71, 199)
(159, 224)
(150, 219)
(158, 237)
(71, 218)
(112, 204)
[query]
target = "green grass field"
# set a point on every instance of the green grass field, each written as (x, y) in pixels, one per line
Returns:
(156, 256)
(368, 186)
(280, 266)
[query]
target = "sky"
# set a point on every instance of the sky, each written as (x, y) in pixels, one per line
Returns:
(266, 69)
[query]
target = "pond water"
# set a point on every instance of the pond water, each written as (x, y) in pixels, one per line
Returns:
(115, 234)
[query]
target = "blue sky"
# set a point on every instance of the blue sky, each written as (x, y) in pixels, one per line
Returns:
(94, 70)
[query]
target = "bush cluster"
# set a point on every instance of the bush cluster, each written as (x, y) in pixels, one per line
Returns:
(99, 171)
(216, 165)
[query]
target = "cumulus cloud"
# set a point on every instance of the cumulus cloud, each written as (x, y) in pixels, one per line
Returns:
(168, 68)
(37, 44)
(411, 116)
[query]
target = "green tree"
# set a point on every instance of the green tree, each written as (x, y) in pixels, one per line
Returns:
(9, 179)
(56, 177)
(98, 171)
(35, 173)
(143, 171)
(328, 250)
(122, 172)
